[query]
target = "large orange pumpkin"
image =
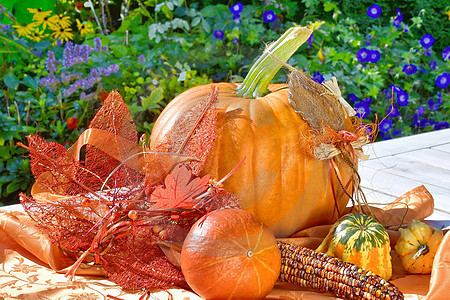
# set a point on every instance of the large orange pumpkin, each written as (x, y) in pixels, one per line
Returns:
(230, 254)
(284, 187)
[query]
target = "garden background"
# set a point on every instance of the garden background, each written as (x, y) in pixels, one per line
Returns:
(61, 58)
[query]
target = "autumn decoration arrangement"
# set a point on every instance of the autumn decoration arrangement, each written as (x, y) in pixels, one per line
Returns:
(298, 142)
(228, 169)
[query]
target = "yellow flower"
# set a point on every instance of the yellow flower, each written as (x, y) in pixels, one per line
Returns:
(84, 28)
(64, 34)
(45, 21)
(39, 14)
(61, 21)
(25, 30)
(37, 35)
(34, 10)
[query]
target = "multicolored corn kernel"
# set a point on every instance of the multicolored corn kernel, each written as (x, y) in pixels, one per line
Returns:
(319, 271)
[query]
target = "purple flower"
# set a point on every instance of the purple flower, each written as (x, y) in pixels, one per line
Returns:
(406, 29)
(68, 57)
(362, 55)
(141, 59)
(394, 88)
(36, 52)
(393, 111)
(84, 52)
(218, 34)
(420, 110)
(362, 109)
(402, 98)
(368, 37)
(385, 125)
(422, 70)
(72, 88)
(396, 132)
(76, 50)
(235, 41)
(114, 68)
(97, 44)
(237, 18)
(433, 65)
(7, 27)
(94, 72)
(50, 82)
(317, 77)
(68, 78)
(373, 56)
(425, 123)
(237, 8)
(310, 40)
(409, 69)
(427, 40)
(385, 136)
(398, 19)
(51, 62)
(353, 98)
(58, 43)
(442, 80)
(367, 100)
(88, 97)
(427, 52)
(446, 53)
(433, 105)
(387, 93)
(89, 82)
(440, 125)
(374, 11)
(439, 98)
(269, 16)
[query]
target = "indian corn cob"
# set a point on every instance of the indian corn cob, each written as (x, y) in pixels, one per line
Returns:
(312, 269)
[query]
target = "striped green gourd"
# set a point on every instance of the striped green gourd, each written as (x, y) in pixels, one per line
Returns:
(361, 240)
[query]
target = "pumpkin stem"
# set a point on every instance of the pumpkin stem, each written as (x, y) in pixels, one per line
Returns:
(422, 250)
(273, 58)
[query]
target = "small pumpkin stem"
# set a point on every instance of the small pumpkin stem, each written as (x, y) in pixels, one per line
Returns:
(422, 250)
(273, 58)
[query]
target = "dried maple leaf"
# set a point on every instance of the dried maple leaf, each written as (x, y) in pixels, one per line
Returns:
(180, 189)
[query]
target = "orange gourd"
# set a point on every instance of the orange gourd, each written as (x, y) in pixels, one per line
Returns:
(287, 189)
(230, 254)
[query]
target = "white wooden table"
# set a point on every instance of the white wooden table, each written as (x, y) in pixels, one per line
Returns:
(399, 165)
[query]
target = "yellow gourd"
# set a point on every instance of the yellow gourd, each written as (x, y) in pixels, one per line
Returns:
(417, 247)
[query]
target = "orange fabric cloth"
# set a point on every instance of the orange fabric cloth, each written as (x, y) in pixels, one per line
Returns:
(31, 267)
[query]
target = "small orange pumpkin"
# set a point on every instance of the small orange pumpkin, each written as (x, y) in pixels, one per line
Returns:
(285, 188)
(230, 254)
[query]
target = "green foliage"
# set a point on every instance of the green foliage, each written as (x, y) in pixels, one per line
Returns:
(19, 8)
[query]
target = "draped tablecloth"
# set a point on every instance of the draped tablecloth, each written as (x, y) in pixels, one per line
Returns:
(33, 268)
